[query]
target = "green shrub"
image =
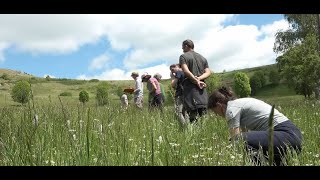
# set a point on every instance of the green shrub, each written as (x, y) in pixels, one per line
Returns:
(274, 77)
(83, 96)
(102, 95)
(65, 94)
(213, 82)
(241, 84)
(21, 92)
(5, 76)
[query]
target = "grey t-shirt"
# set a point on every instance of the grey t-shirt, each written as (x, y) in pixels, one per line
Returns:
(195, 62)
(251, 114)
(194, 97)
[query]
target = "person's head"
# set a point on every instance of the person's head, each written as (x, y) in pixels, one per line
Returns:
(145, 77)
(174, 68)
(187, 45)
(218, 100)
(157, 76)
(134, 75)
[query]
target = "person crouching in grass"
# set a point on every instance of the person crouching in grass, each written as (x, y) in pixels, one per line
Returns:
(247, 119)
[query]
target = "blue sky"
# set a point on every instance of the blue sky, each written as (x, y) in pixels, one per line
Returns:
(110, 47)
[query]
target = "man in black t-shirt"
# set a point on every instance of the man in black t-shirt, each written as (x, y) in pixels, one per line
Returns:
(177, 77)
(196, 70)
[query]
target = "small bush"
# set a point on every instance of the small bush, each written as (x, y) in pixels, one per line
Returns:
(102, 95)
(65, 94)
(5, 76)
(83, 96)
(241, 84)
(21, 92)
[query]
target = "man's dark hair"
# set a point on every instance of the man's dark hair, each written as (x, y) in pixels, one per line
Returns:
(188, 43)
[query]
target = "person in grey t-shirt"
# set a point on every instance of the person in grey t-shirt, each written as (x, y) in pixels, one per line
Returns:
(247, 118)
(196, 70)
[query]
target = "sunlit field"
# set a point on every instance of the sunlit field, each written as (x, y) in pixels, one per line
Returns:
(68, 133)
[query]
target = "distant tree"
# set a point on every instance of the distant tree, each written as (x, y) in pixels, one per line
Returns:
(261, 77)
(274, 77)
(300, 66)
(304, 33)
(83, 96)
(102, 95)
(242, 84)
(255, 84)
(21, 92)
(48, 78)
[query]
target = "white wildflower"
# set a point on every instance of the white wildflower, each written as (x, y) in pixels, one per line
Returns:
(195, 156)
(160, 139)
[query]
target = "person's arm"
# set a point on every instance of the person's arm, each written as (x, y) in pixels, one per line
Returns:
(174, 82)
(233, 115)
(189, 74)
(193, 78)
(205, 75)
(138, 86)
(234, 131)
(154, 87)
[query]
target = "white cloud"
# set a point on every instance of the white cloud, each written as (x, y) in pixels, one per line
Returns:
(50, 33)
(146, 39)
(113, 74)
(118, 74)
(3, 46)
(99, 62)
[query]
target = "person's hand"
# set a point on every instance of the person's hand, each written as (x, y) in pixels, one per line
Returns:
(201, 84)
(172, 75)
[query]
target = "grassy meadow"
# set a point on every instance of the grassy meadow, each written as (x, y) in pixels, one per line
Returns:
(52, 132)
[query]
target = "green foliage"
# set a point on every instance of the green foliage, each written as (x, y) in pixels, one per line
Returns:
(300, 26)
(5, 76)
(170, 94)
(255, 84)
(48, 78)
(257, 81)
(241, 84)
(94, 80)
(21, 92)
(83, 96)
(274, 77)
(70, 81)
(65, 94)
(213, 82)
(261, 77)
(300, 66)
(102, 95)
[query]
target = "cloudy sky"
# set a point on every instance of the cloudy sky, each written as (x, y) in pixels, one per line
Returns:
(110, 47)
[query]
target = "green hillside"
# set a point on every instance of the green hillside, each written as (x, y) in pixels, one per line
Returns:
(44, 89)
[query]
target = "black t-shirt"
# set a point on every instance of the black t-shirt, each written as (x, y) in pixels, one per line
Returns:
(180, 76)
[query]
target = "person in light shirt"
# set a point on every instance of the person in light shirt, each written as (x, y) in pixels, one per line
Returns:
(247, 119)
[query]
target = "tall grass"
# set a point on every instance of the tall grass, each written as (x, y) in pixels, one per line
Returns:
(70, 134)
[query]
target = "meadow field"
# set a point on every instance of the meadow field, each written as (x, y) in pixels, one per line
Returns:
(68, 133)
